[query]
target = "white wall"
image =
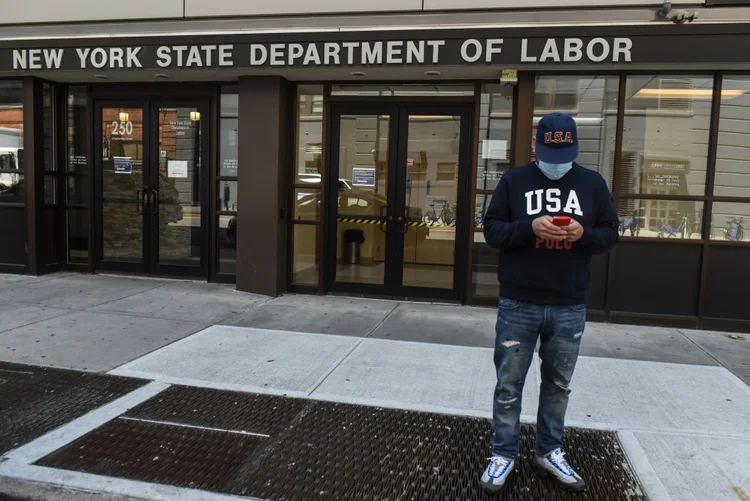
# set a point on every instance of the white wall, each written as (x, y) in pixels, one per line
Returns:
(45, 11)
(48, 11)
(204, 8)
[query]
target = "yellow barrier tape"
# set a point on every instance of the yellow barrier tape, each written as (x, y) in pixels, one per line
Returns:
(415, 224)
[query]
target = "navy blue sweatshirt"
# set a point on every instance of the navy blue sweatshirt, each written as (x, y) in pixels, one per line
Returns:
(540, 271)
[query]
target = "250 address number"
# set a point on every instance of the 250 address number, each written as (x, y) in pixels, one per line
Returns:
(122, 128)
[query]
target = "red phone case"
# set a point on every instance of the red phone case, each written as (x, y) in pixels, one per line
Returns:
(561, 220)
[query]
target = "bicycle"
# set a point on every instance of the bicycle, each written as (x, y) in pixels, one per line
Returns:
(632, 224)
(671, 231)
(431, 216)
(448, 214)
(735, 231)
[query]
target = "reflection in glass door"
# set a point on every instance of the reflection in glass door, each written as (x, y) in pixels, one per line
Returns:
(123, 185)
(362, 198)
(433, 143)
(394, 199)
(178, 177)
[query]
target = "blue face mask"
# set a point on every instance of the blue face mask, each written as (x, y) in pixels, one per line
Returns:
(554, 171)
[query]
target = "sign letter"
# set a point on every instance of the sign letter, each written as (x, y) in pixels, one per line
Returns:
(132, 56)
(493, 47)
(550, 51)
(82, 55)
(573, 52)
(372, 54)
(163, 59)
(296, 51)
(622, 47)
(394, 53)
(258, 55)
(436, 44)
(19, 59)
(477, 50)
(525, 58)
(225, 55)
(331, 51)
(415, 52)
(53, 58)
(605, 50)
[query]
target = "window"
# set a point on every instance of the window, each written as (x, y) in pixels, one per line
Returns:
(50, 173)
(77, 193)
(733, 149)
(666, 127)
(729, 222)
(494, 155)
(226, 185)
(12, 185)
(446, 171)
(557, 94)
(308, 176)
(592, 102)
(495, 125)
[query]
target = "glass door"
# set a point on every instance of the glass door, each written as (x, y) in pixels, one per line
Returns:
(152, 187)
(432, 166)
(396, 199)
(179, 190)
(122, 181)
(361, 198)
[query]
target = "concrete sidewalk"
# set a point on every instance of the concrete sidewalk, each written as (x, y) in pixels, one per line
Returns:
(679, 399)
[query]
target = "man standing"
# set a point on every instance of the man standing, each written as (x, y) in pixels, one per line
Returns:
(544, 271)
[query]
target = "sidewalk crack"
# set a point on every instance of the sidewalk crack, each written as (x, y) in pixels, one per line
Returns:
(348, 353)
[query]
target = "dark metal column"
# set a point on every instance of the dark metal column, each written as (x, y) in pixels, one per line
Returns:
(33, 149)
(266, 149)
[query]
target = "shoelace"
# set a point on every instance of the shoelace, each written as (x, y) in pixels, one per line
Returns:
(497, 465)
(559, 458)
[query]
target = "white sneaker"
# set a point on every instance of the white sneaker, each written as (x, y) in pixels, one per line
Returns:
(554, 465)
(496, 474)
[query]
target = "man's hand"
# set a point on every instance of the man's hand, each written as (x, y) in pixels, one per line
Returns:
(574, 231)
(543, 228)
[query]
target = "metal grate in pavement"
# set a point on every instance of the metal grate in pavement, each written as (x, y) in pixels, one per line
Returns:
(328, 451)
(220, 409)
(36, 400)
(154, 452)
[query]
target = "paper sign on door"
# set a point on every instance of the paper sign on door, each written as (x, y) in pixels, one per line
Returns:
(177, 168)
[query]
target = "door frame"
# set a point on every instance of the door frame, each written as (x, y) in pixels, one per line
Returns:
(399, 111)
(150, 107)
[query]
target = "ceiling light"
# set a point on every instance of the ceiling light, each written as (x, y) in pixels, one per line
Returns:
(358, 73)
(432, 73)
(101, 77)
(162, 76)
(687, 93)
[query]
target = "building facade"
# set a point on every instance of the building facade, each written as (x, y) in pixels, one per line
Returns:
(352, 148)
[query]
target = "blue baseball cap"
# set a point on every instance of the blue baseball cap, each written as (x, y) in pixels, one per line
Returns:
(557, 139)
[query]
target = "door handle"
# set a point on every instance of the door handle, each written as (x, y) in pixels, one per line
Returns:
(382, 224)
(155, 204)
(405, 227)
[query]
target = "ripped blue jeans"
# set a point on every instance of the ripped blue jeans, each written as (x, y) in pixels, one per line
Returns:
(519, 325)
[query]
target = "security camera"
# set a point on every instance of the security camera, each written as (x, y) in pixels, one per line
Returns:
(676, 16)
(681, 16)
